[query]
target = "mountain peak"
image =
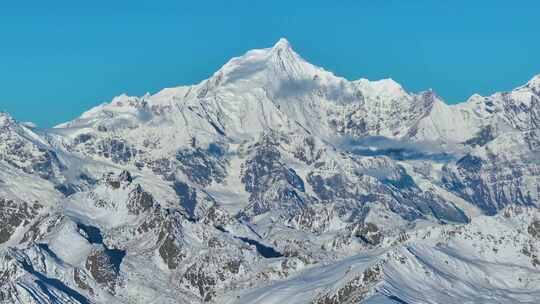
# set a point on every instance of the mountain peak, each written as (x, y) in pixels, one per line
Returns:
(282, 44)
(279, 61)
(285, 61)
(6, 119)
(282, 51)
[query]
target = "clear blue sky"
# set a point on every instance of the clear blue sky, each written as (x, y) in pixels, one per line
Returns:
(59, 58)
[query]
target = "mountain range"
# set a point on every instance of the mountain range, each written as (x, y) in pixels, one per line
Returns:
(275, 180)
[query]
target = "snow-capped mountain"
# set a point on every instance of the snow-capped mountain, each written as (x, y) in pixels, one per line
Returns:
(275, 180)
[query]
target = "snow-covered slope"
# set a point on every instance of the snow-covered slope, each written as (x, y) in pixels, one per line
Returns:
(490, 260)
(275, 181)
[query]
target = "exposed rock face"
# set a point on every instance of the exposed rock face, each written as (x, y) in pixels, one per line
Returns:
(171, 248)
(498, 180)
(271, 184)
(81, 279)
(43, 226)
(534, 229)
(113, 148)
(102, 267)
(115, 181)
(369, 233)
(200, 166)
(14, 215)
(355, 290)
(21, 148)
(197, 277)
(139, 201)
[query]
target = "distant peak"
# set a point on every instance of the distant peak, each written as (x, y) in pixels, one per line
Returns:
(283, 49)
(388, 83)
(282, 44)
(6, 119)
(284, 60)
(475, 99)
(280, 61)
(534, 82)
(5, 115)
(385, 88)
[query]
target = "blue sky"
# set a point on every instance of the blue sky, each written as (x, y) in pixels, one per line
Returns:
(59, 58)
